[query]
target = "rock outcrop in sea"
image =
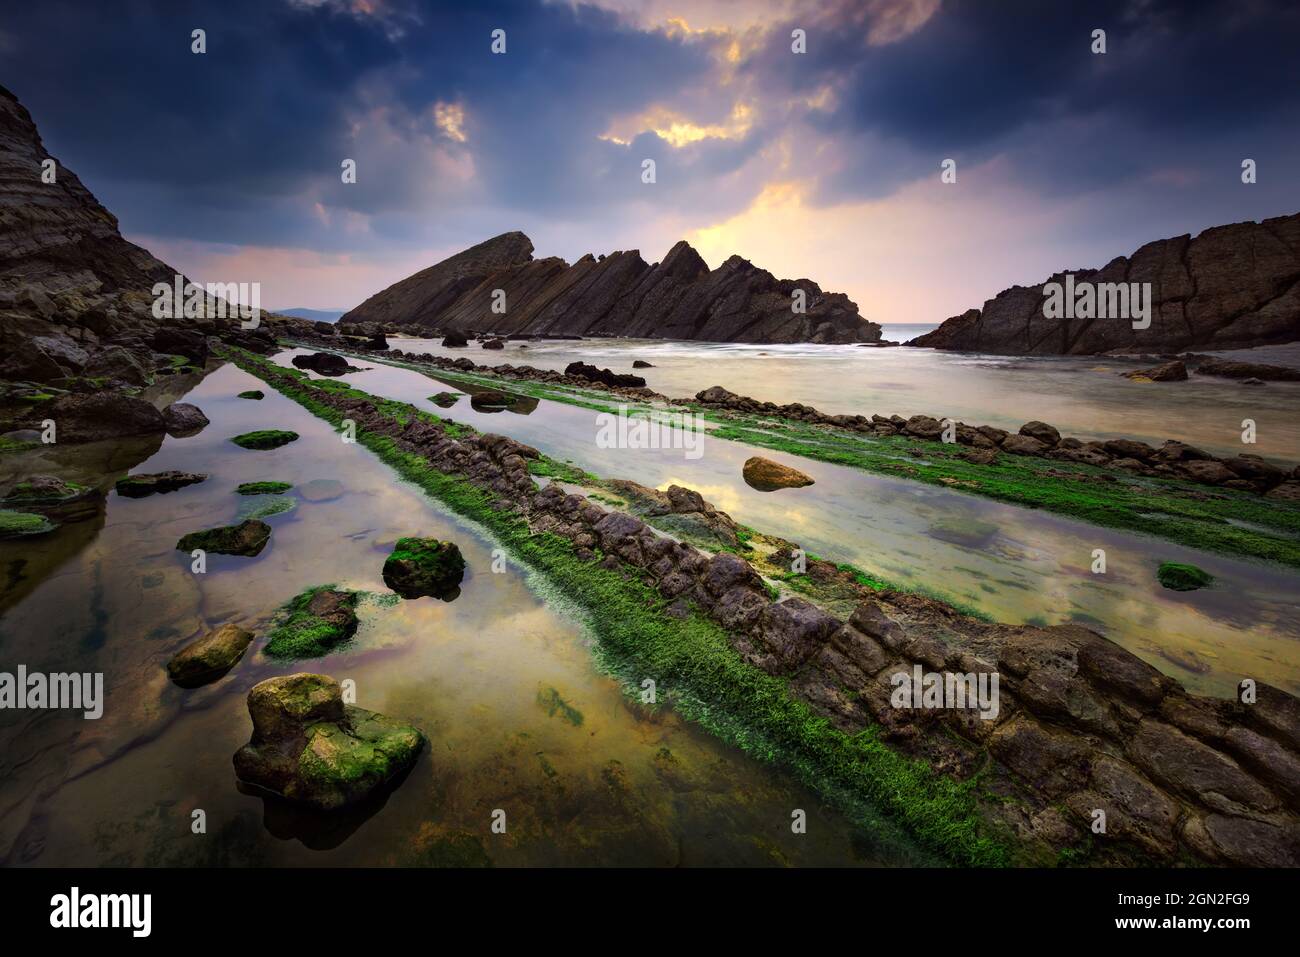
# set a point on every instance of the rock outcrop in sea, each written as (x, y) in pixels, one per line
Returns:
(614, 295)
(1230, 287)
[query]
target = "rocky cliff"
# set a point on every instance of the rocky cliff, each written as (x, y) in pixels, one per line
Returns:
(1229, 287)
(615, 295)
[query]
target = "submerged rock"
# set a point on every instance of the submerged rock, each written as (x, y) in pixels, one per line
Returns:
(263, 488)
(307, 746)
(21, 524)
(264, 506)
(183, 419)
(209, 658)
(313, 622)
(1178, 576)
(768, 476)
(247, 539)
(156, 483)
(425, 566)
(265, 439)
(321, 490)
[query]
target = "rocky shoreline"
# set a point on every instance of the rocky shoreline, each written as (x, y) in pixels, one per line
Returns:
(1083, 724)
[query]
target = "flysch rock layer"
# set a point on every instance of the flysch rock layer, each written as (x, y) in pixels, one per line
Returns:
(614, 295)
(1230, 287)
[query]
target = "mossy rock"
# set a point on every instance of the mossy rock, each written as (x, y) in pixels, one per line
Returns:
(310, 748)
(425, 566)
(263, 488)
(1178, 576)
(248, 538)
(263, 506)
(265, 439)
(209, 658)
(492, 399)
(313, 623)
(156, 483)
(445, 400)
(252, 394)
(21, 524)
(45, 490)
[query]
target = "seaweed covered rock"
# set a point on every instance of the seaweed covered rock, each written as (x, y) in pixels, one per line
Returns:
(313, 623)
(44, 492)
(252, 394)
(308, 747)
(156, 483)
(492, 399)
(248, 538)
(263, 488)
(1178, 576)
(21, 524)
(768, 476)
(425, 566)
(209, 658)
(444, 400)
(265, 439)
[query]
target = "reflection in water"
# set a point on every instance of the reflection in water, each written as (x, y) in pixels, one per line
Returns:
(1016, 564)
(496, 680)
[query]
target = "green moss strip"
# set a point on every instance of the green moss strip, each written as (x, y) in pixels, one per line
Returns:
(711, 684)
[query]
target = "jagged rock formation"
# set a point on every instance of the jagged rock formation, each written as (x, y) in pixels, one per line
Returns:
(1231, 287)
(615, 295)
(75, 297)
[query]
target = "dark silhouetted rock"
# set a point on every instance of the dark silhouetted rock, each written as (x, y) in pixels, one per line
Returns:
(184, 419)
(154, 483)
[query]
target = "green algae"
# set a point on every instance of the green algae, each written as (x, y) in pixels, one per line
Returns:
(298, 632)
(1178, 576)
(265, 439)
(21, 524)
(263, 488)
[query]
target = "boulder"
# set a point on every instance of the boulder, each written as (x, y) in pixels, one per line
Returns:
(1173, 371)
(310, 748)
(119, 365)
(641, 364)
(182, 419)
(768, 476)
(424, 566)
(1231, 369)
(247, 539)
(494, 343)
(454, 340)
(209, 658)
(1024, 445)
(156, 483)
(1041, 431)
(324, 363)
(582, 370)
(444, 400)
(94, 416)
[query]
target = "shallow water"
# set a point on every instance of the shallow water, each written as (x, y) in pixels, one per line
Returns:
(502, 682)
(1081, 396)
(1016, 564)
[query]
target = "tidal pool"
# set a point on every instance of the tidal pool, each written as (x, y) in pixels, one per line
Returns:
(1082, 396)
(1015, 564)
(502, 681)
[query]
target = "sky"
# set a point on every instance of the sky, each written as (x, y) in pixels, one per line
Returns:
(823, 164)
